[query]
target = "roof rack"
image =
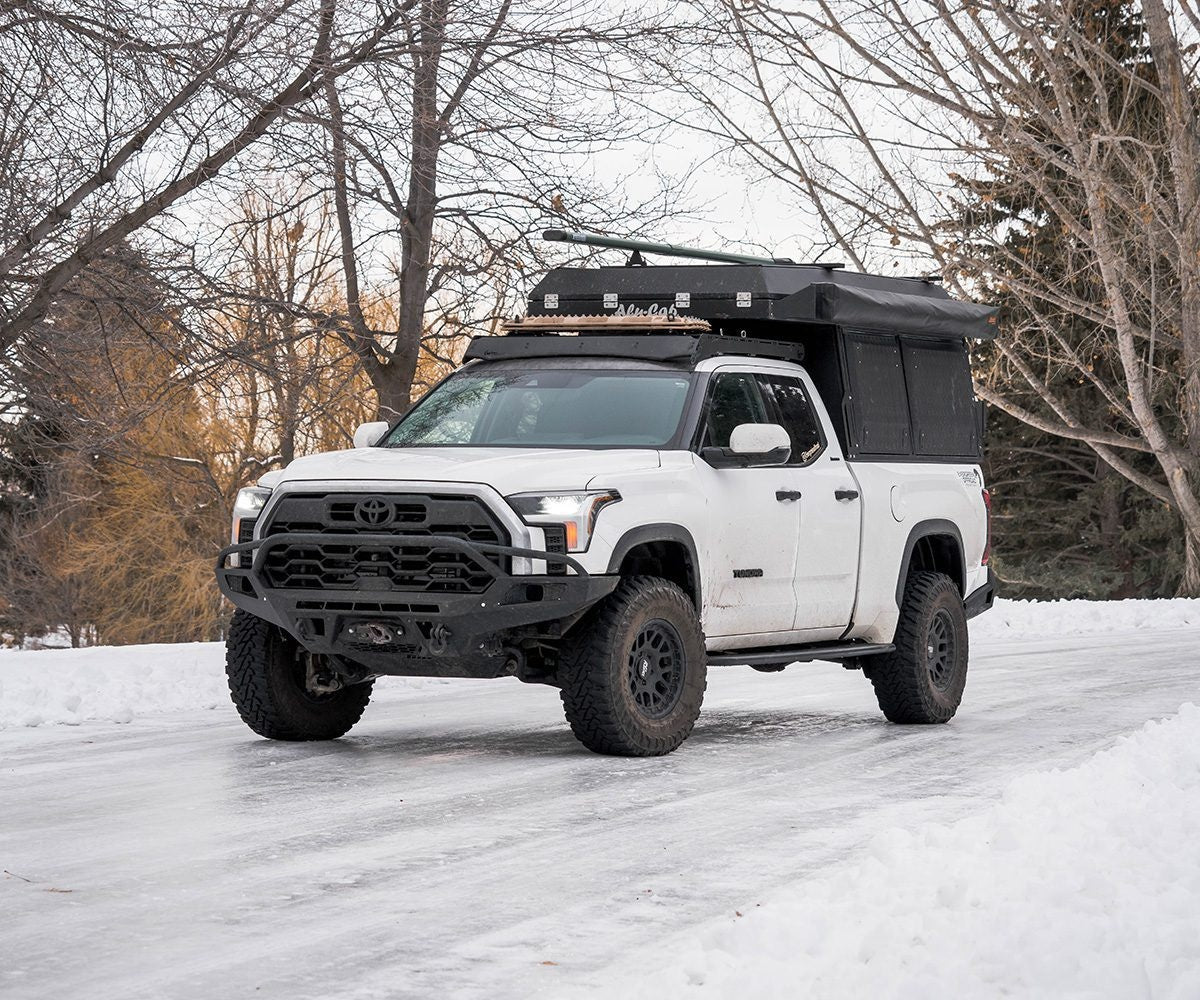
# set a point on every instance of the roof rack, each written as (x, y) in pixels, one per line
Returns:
(686, 348)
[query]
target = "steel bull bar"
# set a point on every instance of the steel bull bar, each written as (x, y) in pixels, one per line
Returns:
(411, 631)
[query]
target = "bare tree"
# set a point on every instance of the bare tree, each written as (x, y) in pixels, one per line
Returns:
(113, 115)
(444, 131)
(483, 129)
(267, 359)
(880, 115)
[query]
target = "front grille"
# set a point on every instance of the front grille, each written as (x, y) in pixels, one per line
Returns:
(341, 563)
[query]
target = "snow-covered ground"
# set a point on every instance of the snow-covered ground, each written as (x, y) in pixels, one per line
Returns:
(459, 843)
(117, 683)
(1077, 883)
(1027, 619)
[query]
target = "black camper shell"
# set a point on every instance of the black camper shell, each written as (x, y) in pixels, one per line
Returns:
(889, 356)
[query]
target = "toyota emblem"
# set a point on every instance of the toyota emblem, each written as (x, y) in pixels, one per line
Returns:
(373, 512)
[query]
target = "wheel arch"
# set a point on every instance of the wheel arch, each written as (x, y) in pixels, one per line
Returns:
(667, 548)
(934, 545)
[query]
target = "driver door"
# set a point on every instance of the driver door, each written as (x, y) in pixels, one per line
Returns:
(754, 520)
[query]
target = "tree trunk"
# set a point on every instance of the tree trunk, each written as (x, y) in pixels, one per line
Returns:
(393, 386)
(1189, 585)
(416, 244)
(1181, 113)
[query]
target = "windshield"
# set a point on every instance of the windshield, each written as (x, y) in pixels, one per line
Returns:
(547, 409)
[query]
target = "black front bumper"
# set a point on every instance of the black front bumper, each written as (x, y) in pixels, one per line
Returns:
(412, 632)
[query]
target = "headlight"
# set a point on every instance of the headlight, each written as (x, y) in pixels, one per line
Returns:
(250, 501)
(576, 512)
(247, 507)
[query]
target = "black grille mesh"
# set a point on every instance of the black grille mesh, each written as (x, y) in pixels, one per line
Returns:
(556, 541)
(245, 534)
(341, 563)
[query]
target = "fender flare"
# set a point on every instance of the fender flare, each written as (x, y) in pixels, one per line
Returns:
(936, 526)
(644, 533)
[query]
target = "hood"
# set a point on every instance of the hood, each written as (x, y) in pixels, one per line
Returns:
(506, 470)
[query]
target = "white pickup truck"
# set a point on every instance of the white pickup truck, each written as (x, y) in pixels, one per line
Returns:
(657, 471)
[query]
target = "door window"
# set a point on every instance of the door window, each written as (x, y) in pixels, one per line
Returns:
(733, 398)
(797, 416)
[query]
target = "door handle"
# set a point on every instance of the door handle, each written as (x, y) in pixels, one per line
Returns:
(845, 494)
(784, 495)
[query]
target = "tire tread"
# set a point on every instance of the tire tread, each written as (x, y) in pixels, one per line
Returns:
(249, 650)
(900, 688)
(591, 705)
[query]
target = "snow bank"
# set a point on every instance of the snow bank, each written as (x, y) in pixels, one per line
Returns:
(118, 682)
(1078, 883)
(1028, 619)
(113, 683)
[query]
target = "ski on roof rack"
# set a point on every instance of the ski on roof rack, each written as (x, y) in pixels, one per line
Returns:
(640, 247)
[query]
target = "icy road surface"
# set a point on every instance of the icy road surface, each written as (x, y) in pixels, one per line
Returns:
(460, 843)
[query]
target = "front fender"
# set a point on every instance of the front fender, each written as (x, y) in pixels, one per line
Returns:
(661, 532)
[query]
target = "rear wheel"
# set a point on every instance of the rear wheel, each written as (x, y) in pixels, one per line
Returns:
(284, 692)
(633, 672)
(922, 679)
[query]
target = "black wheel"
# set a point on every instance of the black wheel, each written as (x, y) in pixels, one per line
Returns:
(284, 692)
(633, 671)
(922, 680)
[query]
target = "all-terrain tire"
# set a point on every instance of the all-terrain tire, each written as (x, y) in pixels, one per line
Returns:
(921, 681)
(633, 671)
(266, 672)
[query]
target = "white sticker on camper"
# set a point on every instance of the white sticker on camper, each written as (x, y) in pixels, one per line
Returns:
(743, 300)
(683, 300)
(654, 309)
(610, 300)
(550, 302)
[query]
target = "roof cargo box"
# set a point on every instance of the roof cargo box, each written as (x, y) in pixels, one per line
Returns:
(774, 292)
(888, 355)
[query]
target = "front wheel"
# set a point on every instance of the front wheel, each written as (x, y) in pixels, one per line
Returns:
(633, 672)
(922, 679)
(284, 692)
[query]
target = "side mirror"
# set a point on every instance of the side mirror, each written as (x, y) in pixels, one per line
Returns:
(751, 445)
(760, 440)
(369, 435)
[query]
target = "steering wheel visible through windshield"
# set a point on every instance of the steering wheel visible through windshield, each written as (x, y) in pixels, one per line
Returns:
(547, 409)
